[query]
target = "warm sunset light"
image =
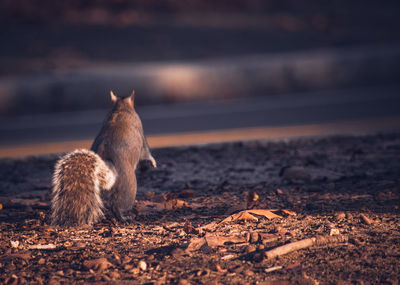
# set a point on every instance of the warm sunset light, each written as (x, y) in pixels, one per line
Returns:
(199, 142)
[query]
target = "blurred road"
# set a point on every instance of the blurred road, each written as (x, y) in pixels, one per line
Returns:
(344, 111)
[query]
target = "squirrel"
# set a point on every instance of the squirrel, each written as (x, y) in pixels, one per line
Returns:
(78, 178)
(121, 142)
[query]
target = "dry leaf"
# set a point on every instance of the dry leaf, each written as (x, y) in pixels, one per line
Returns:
(266, 213)
(174, 204)
(159, 198)
(97, 265)
(219, 240)
(252, 199)
(248, 215)
(290, 213)
(243, 215)
(145, 207)
(252, 196)
(195, 244)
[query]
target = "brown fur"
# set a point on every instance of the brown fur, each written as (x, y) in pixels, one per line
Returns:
(78, 179)
(121, 142)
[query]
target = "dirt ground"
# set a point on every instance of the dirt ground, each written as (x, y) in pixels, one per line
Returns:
(338, 195)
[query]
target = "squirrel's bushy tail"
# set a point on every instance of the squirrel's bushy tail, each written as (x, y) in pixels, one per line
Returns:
(78, 179)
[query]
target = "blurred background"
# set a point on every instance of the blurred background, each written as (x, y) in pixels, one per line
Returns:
(203, 71)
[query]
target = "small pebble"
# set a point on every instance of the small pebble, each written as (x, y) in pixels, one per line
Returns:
(340, 216)
(334, 232)
(142, 265)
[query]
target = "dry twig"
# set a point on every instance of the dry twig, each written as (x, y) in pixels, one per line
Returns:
(293, 246)
(367, 220)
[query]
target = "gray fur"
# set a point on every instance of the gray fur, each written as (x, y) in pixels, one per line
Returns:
(78, 178)
(121, 142)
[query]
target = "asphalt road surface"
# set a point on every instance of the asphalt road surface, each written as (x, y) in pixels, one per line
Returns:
(367, 109)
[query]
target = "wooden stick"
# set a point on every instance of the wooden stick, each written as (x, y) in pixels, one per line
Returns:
(293, 246)
(367, 220)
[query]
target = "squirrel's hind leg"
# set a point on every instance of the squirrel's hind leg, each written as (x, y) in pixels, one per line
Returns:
(123, 195)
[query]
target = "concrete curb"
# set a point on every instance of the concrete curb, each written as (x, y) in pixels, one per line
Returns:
(86, 88)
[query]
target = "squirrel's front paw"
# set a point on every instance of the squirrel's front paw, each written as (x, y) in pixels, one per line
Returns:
(153, 162)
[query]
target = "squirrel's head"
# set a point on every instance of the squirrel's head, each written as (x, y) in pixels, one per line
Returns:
(130, 100)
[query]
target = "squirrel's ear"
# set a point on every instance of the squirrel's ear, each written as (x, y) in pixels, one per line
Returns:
(113, 97)
(132, 98)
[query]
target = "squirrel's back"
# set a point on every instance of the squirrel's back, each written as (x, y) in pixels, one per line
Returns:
(122, 142)
(78, 178)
